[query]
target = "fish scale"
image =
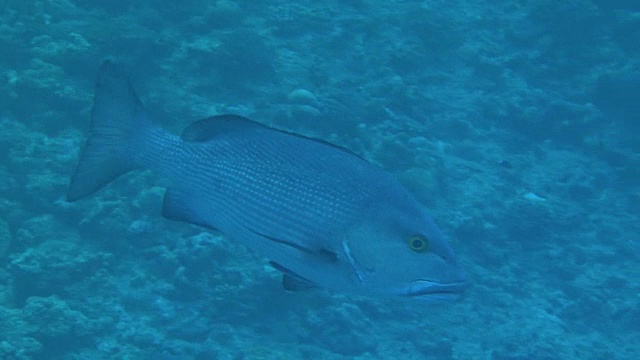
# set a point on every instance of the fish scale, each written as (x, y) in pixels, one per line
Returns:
(290, 202)
(283, 204)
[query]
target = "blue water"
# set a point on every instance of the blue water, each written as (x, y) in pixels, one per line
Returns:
(516, 124)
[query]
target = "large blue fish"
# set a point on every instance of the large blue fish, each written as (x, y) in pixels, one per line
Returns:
(322, 215)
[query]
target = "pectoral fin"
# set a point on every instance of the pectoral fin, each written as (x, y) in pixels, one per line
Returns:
(315, 253)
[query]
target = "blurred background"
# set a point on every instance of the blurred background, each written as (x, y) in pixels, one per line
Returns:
(515, 123)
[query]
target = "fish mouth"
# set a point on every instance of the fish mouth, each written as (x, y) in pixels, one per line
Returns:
(436, 291)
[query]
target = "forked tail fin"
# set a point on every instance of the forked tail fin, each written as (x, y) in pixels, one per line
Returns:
(117, 118)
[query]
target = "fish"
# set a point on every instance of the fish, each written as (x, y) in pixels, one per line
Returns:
(321, 215)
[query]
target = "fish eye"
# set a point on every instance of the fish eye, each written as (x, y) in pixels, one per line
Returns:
(418, 243)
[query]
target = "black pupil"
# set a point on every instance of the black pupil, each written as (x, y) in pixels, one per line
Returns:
(416, 243)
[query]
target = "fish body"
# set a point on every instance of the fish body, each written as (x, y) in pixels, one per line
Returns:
(322, 215)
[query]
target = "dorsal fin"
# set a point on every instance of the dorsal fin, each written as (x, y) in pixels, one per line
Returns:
(207, 129)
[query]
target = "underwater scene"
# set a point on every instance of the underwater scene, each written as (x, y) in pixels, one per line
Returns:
(355, 179)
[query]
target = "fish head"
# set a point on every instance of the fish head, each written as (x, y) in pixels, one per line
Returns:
(401, 251)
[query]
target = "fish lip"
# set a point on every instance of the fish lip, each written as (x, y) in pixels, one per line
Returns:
(433, 290)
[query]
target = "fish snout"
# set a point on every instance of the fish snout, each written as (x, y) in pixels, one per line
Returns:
(438, 291)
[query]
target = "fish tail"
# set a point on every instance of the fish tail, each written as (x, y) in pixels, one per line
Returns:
(118, 119)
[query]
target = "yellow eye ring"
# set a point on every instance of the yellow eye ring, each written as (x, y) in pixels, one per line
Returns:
(418, 243)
